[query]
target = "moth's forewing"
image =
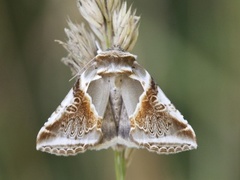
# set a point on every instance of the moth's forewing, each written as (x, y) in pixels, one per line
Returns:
(158, 126)
(74, 127)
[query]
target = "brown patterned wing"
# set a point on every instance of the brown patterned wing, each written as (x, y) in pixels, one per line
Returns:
(158, 126)
(73, 128)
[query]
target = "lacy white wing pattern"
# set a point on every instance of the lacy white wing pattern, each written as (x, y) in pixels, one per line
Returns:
(157, 125)
(74, 127)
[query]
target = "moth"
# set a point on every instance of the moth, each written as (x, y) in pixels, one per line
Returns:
(115, 103)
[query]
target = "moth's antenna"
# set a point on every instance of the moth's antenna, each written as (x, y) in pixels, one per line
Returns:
(89, 63)
(73, 77)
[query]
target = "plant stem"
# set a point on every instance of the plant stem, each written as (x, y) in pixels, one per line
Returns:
(120, 165)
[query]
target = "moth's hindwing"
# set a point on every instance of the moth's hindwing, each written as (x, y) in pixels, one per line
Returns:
(74, 127)
(158, 126)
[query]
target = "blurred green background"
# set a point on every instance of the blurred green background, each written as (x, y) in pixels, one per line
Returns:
(190, 47)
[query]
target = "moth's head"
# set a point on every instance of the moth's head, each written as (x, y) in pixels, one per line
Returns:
(116, 52)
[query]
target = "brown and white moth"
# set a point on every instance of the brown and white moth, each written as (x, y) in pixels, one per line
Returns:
(115, 103)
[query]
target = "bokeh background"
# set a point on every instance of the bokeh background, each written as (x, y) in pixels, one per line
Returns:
(190, 47)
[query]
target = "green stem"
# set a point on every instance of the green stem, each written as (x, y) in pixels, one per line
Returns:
(120, 165)
(109, 34)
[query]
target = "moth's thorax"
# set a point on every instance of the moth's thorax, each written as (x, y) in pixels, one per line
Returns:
(116, 54)
(115, 61)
